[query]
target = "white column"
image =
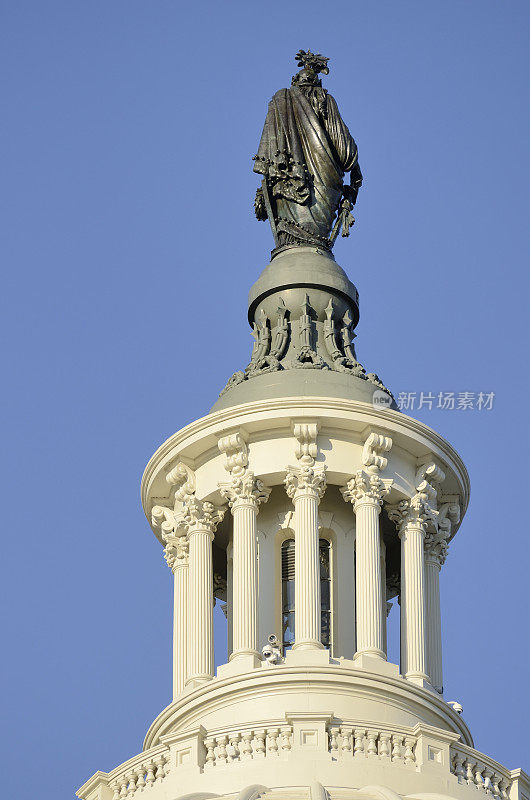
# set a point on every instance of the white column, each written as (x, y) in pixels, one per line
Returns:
(305, 486)
(369, 594)
(366, 491)
(413, 601)
(203, 519)
(245, 580)
(173, 528)
(383, 594)
(412, 518)
(176, 554)
(435, 553)
(244, 495)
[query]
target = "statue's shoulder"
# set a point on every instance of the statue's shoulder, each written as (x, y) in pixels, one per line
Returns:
(281, 93)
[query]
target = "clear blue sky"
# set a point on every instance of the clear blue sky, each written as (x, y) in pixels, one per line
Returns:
(129, 245)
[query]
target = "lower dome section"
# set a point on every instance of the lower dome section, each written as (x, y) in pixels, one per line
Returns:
(312, 733)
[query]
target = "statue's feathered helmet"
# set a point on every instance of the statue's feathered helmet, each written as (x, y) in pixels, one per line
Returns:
(311, 64)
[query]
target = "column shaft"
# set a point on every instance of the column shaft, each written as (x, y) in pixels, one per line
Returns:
(201, 663)
(368, 580)
(433, 623)
(383, 595)
(412, 603)
(245, 581)
(180, 627)
(307, 571)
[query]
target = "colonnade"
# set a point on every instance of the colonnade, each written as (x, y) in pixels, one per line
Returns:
(190, 531)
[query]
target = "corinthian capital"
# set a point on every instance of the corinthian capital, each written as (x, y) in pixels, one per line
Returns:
(366, 487)
(437, 541)
(305, 480)
(245, 490)
(436, 548)
(201, 514)
(176, 552)
(415, 512)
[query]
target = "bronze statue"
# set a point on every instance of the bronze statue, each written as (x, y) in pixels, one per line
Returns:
(305, 150)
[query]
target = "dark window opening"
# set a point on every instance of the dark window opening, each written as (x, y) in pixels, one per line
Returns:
(288, 594)
(288, 590)
(325, 592)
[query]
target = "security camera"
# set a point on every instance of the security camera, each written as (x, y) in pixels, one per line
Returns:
(272, 652)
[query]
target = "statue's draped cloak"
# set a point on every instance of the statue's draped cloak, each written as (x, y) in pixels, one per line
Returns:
(305, 150)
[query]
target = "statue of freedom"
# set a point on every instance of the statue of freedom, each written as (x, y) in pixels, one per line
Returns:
(304, 151)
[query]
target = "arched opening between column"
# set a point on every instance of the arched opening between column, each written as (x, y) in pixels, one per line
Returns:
(222, 602)
(288, 588)
(392, 588)
(288, 580)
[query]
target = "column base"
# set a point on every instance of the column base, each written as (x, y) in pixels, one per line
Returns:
(371, 653)
(197, 680)
(244, 654)
(374, 663)
(239, 663)
(420, 679)
(312, 644)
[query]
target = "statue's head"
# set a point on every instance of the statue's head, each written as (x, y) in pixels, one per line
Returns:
(311, 64)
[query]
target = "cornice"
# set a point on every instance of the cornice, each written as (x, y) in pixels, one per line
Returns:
(97, 779)
(235, 417)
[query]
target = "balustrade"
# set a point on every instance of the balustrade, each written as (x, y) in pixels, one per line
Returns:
(345, 741)
(246, 745)
(129, 778)
(478, 770)
(369, 743)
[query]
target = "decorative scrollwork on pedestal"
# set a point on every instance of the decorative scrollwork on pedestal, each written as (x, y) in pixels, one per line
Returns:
(306, 357)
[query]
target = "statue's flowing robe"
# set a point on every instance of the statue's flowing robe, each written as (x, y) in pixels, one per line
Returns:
(305, 150)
